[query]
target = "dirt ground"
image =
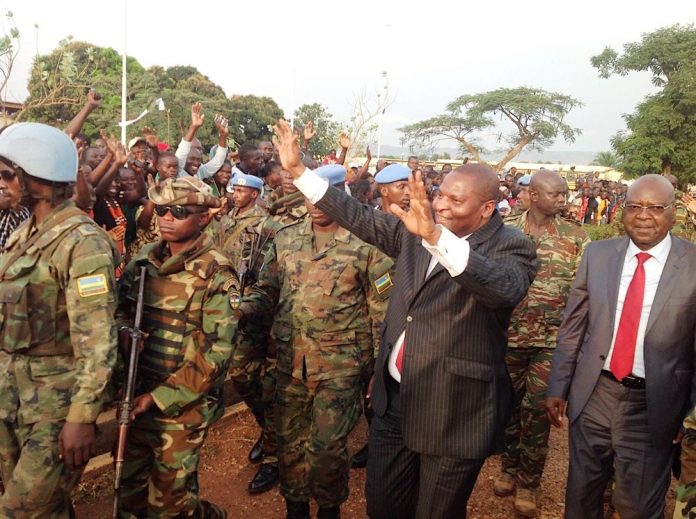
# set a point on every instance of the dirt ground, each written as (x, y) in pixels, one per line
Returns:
(225, 473)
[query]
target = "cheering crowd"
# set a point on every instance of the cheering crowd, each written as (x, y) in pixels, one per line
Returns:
(323, 292)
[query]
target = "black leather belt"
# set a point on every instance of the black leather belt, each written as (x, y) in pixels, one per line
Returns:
(629, 382)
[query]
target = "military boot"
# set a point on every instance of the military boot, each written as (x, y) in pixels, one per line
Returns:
(329, 512)
(256, 452)
(504, 484)
(265, 479)
(525, 502)
(359, 459)
(297, 509)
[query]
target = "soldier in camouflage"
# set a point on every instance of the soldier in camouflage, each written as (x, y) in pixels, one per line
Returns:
(532, 336)
(685, 219)
(57, 330)
(685, 502)
(190, 292)
(330, 292)
(245, 235)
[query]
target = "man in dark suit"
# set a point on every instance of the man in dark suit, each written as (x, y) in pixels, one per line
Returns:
(441, 392)
(625, 359)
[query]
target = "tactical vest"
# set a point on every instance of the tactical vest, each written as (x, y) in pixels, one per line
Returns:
(172, 316)
(33, 313)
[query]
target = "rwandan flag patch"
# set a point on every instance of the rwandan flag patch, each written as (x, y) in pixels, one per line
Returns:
(383, 283)
(92, 285)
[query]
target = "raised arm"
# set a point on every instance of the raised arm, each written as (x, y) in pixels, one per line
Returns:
(75, 125)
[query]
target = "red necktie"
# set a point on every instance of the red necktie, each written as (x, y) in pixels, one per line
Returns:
(621, 364)
(400, 357)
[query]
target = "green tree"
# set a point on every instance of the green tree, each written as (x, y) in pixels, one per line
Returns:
(661, 132)
(252, 117)
(606, 159)
(327, 130)
(9, 48)
(60, 80)
(537, 118)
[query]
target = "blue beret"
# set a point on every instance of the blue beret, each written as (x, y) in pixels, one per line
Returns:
(524, 180)
(247, 181)
(334, 173)
(392, 173)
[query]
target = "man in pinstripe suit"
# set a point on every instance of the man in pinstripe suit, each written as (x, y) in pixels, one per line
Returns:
(441, 391)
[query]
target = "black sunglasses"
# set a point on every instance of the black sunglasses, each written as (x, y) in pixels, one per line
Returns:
(8, 176)
(179, 212)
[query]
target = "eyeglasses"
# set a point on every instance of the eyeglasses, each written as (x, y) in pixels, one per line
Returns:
(179, 212)
(652, 210)
(8, 176)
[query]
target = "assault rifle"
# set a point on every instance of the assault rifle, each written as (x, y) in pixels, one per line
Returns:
(126, 405)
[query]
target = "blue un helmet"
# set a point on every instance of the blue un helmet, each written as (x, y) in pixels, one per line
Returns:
(42, 151)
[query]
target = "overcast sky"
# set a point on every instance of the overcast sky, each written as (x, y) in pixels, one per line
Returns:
(326, 52)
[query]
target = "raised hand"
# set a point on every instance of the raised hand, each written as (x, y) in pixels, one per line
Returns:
(344, 141)
(94, 99)
(222, 125)
(109, 141)
(368, 154)
(285, 141)
(197, 115)
(419, 219)
(150, 136)
(309, 131)
(120, 154)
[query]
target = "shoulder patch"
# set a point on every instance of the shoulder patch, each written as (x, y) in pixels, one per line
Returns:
(383, 283)
(92, 285)
(230, 287)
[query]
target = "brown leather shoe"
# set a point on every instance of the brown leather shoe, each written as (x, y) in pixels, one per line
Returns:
(504, 484)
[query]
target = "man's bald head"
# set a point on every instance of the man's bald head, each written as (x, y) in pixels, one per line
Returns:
(486, 183)
(656, 184)
(545, 178)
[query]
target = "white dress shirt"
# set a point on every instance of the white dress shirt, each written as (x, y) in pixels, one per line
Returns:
(450, 251)
(653, 270)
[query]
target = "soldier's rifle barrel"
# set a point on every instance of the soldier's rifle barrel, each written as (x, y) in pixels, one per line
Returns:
(126, 405)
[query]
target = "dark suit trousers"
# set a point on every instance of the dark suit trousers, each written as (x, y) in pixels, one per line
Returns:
(612, 430)
(402, 484)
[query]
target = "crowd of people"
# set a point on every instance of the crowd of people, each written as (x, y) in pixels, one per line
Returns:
(458, 311)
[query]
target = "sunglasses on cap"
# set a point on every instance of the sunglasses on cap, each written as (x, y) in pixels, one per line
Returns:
(180, 212)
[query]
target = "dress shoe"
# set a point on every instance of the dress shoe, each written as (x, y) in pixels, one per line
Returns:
(266, 477)
(525, 502)
(504, 484)
(329, 512)
(256, 452)
(297, 509)
(359, 459)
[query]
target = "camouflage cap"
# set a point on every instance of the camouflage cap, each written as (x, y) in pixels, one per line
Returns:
(183, 191)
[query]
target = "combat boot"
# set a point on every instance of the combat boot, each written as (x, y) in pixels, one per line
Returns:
(359, 459)
(256, 452)
(208, 510)
(525, 502)
(265, 479)
(297, 509)
(504, 484)
(329, 512)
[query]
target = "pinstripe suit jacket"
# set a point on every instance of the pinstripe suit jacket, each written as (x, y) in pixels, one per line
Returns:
(455, 390)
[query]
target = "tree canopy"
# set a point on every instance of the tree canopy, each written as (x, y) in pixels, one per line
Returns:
(537, 118)
(661, 132)
(327, 130)
(59, 83)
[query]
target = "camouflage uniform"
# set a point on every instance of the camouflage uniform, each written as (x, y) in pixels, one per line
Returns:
(249, 360)
(685, 503)
(330, 304)
(189, 320)
(685, 224)
(531, 340)
(57, 350)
